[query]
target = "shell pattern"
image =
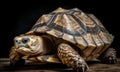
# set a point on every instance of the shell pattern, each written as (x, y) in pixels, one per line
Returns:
(77, 27)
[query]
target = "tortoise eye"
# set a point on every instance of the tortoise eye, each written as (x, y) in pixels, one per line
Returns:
(16, 40)
(25, 40)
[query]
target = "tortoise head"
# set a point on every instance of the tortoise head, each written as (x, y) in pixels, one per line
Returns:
(29, 44)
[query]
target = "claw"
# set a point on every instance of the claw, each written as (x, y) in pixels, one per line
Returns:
(112, 60)
(82, 68)
(109, 60)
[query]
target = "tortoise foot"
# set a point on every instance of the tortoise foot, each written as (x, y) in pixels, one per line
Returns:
(15, 58)
(109, 56)
(81, 67)
(111, 60)
(17, 63)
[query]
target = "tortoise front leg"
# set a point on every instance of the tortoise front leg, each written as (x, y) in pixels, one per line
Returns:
(109, 56)
(15, 58)
(71, 58)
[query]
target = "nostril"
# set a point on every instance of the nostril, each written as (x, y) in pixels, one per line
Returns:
(25, 40)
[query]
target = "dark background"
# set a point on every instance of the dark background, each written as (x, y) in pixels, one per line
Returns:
(17, 17)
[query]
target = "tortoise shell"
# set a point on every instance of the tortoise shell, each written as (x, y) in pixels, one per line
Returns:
(73, 25)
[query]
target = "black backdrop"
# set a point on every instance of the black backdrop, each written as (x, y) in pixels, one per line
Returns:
(18, 16)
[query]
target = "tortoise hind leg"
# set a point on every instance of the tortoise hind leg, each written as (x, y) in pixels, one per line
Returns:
(71, 58)
(109, 56)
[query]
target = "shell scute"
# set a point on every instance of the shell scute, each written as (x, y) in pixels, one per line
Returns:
(73, 25)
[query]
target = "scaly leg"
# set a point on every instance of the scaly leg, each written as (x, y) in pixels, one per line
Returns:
(109, 56)
(15, 58)
(71, 58)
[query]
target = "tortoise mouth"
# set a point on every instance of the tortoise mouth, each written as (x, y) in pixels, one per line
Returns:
(22, 46)
(27, 51)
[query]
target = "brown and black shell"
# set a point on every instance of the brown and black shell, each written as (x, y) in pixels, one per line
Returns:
(77, 27)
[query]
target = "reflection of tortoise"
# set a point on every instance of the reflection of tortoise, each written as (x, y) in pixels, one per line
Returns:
(65, 36)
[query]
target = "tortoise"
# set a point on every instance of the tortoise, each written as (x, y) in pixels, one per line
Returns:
(68, 36)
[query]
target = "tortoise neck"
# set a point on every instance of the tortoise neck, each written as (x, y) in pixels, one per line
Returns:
(48, 44)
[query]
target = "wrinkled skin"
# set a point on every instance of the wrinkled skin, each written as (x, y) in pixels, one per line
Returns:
(28, 45)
